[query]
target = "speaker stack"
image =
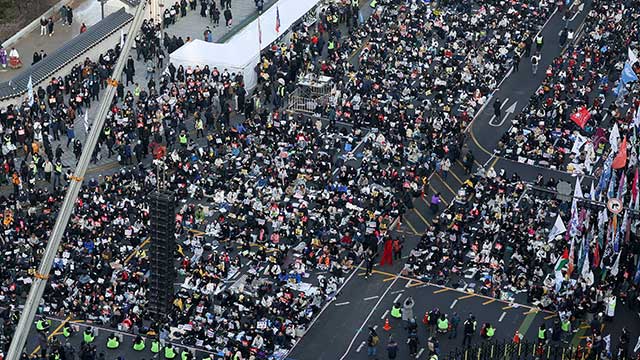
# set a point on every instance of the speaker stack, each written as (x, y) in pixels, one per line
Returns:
(162, 211)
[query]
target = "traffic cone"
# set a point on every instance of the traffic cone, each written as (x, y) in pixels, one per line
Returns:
(386, 326)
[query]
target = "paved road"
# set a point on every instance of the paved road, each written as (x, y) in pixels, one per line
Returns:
(342, 328)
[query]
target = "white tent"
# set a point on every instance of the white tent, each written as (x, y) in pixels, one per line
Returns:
(240, 53)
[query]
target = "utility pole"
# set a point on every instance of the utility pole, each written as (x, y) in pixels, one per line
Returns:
(42, 275)
(102, 2)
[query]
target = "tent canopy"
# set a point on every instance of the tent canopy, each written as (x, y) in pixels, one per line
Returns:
(240, 53)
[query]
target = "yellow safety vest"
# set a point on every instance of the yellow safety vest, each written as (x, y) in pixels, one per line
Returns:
(490, 332)
(113, 343)
(183, 139)
(443, 324)
(88, 337)
(169, 353)
(155, 346)
(138, 346)
(396, 312)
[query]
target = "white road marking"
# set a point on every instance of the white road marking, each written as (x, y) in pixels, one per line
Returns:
(397, 298)
(397, 292)
(375, 327)
(505, 101)
(408, 283)
(502, 316)
(507, 113)
(361, 345)
(453, 303)
(371, 297)
(343, 303)
(385, 314)
(419, 353)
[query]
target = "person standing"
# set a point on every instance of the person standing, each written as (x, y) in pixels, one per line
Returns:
(228, 17)
(516, 62)
(469, 330)
(497, 108)
(387, 254)
(435, 203)
(455, 321)
(392, 348)
(372, 343)
(50, 26)
(539, 42)
(63, 14)
(535, 60)
(368, 260)
(43, 26)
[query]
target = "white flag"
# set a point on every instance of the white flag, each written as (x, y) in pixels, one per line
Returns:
(636, 119)
(577, 191)
(121, 39)
(577, 145)
(616, 265)
(592, 192)
(614, 136)
(30, 91)
(85, 121)
(557, 229)
(632, 57)
(607, 341)
(635, 349)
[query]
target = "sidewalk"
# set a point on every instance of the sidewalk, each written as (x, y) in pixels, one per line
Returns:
(88, 11)
(190, 25)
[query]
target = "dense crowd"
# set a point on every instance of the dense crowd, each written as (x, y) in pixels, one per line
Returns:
(584, 75)
(268, 198)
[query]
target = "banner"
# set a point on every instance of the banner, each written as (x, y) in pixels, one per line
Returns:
(581, 117)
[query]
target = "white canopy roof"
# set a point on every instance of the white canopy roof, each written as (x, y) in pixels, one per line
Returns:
(240, 53)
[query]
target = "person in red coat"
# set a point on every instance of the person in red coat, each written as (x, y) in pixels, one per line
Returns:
(387, 255)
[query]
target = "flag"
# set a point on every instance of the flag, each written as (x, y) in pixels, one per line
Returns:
(577, 145)
(607, 342)
(611, 191)
(614, 136)
(592, 192)
(621, 159)
(557, 229)
(616, 265)
(577, 190)
(634, 186)
(596, 256)
(627, 76)
(562, 260)
(636, 279)
(85, 122)
(259, 32)
(571, 258)
(581, 116)
(30, 91)
(636, 118)
(121, 39)
(278, 20)
(632, 57)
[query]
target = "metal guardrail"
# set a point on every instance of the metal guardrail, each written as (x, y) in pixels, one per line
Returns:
(66, 54)
(526, 350)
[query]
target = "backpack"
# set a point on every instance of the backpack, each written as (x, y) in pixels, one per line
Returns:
(375, 340)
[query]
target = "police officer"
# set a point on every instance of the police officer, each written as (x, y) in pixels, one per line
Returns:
(155, 346)
(113, 342)
(542, 333)
(138, 343)
(490, 331)
(443, 324)
(186, 355)
(169, 352)
(67, 331)
(395, 311)
(88, 337)
(42, 325)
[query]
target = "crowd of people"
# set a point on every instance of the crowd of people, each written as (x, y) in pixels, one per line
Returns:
(585, 75)
(267, 198)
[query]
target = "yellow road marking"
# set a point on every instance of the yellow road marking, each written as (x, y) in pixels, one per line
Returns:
(406, 221)
(531, 311)
(445, 184)
(495, 161)
(475, 141)
(137, 248)
(421, 217)
(466, 296)
(507, 307)
(414, 284)
(456, 177)
(549, 317)
(54, 333)
(488, 302)
(440, 291)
